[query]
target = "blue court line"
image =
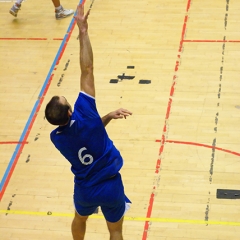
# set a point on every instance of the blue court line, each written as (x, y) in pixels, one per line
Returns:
(37, 104)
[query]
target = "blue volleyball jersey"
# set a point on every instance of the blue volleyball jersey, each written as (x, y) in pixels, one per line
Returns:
(84, 142)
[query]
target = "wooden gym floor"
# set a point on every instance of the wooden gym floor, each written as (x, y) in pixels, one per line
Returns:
(180, 146)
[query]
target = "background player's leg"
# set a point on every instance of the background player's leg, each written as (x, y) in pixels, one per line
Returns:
(19, 2)
(79, 226)
(115, 230)
(56, 3)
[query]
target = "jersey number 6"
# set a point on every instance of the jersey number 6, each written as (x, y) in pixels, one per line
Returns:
(82, 158)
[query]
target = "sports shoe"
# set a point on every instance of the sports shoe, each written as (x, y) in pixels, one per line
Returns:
(62, 13)
(14, 10)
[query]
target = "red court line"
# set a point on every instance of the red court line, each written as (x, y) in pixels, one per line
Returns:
(213, 41)
(83, 2)
(13, 142)
(158, 164)
(32, 39)
(202, 145)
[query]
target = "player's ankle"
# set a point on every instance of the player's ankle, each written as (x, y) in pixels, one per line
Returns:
(57, 9)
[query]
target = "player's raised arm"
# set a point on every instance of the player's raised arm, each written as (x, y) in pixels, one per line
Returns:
(86, 54)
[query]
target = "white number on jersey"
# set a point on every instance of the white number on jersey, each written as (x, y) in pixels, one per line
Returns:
(83, 158)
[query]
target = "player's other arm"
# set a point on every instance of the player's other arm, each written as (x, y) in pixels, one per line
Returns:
(120, 113)
(86, 53)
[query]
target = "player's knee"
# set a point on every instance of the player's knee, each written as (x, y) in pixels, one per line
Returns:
(115, 228)
(79, 218)
(116, 235)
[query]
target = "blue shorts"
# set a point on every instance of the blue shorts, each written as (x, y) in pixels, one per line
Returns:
(109, 195)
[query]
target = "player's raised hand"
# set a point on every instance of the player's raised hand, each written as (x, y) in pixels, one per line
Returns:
(81, 19)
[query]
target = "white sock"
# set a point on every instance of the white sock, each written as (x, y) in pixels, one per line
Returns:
(58, 8)
(18, 2)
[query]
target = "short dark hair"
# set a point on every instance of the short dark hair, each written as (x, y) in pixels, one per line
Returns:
(56, 113)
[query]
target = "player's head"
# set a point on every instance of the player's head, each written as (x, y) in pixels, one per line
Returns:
(58, 111)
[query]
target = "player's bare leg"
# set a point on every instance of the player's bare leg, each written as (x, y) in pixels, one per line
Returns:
(79, 226)
(56, 3)
(115, 230)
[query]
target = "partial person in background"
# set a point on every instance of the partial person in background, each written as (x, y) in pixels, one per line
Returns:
(60, 12)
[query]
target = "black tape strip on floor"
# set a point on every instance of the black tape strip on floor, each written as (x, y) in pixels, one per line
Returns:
(114, 81)
(144, 81)
(228, 194)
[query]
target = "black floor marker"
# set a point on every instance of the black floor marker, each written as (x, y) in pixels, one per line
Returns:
(114, 81)
(228, 194)
(144, 81)
(124, 77)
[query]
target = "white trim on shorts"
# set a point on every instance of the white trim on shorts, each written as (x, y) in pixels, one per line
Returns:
(127, 207)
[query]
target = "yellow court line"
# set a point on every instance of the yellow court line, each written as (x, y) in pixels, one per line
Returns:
(140, 219)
